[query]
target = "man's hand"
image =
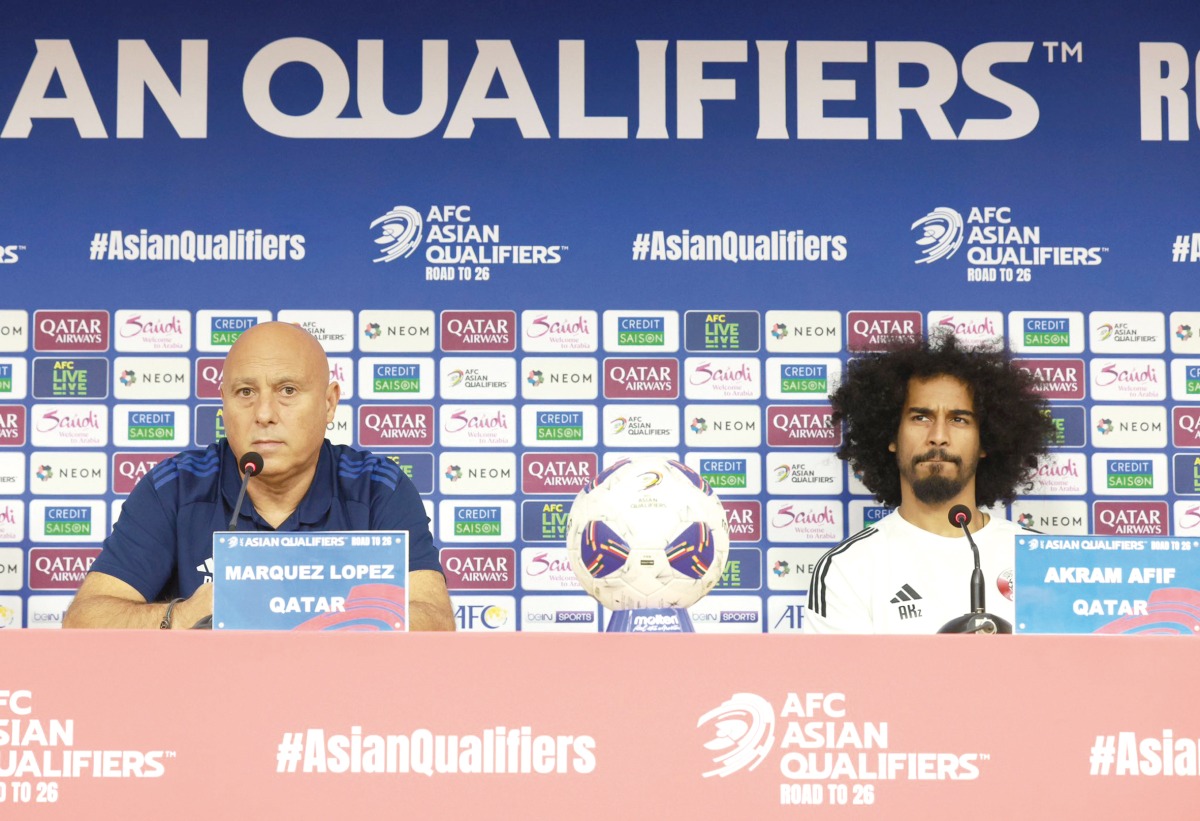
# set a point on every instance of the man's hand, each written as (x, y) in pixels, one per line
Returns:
(106, 601)
(429, 601)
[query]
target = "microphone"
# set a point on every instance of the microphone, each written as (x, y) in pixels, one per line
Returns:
(251, 464)
(978, 620)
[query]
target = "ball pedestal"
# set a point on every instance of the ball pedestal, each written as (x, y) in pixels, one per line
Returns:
(651, 620)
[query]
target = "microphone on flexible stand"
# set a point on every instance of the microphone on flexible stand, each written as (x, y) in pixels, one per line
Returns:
(978, 620)
(251, 464)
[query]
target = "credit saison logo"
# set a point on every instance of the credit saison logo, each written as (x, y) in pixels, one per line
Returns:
(799, 378)
(724, 473)
(559, 426)
(457, 249)
(396, 379)
(67, 520)
(641, 331)
(151, 426)
(477, 521)
(1129, 474)
(225, 330)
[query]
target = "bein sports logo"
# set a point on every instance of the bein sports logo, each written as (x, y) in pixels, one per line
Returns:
(943, 234)
(401, 230)
(744, 733)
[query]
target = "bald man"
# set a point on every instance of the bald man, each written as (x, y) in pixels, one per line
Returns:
(155, 568)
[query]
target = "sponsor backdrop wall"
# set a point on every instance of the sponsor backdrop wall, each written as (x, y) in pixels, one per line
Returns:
(535, 238)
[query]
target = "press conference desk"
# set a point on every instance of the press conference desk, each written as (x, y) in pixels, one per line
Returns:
(274, 725)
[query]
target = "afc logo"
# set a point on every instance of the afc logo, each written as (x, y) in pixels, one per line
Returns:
(9, 255)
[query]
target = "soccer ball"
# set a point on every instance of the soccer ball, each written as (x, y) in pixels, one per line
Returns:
(647, 533)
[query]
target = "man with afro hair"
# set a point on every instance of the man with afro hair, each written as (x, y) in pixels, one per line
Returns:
(929, 425)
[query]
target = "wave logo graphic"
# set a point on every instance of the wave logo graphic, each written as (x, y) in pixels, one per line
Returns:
(942, 234)
(743, 733)
(400, 233)
(1169, 612)
(368, 608)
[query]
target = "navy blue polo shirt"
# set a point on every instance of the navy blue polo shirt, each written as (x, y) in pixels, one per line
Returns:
(162, 543)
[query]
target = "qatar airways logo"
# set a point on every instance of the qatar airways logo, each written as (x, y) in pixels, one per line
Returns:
(129, 468)
(559, 331)
(745, 520)
(397, 425)
(468, 331)
(1130, 518)
(559, 473)
(641, 378)
(881, 330)
(70, 331)
(1056, 378)
(802, 426)
(153, 331)
(12, 425)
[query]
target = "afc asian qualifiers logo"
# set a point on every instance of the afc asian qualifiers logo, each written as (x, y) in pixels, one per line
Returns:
(400, 233)
(942, 234)
(743, 730)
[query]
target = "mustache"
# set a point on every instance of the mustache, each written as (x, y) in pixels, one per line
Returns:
(939, 454)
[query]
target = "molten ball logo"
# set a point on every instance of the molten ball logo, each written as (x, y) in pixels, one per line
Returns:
(743, 733)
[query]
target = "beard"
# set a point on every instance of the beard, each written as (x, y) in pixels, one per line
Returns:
(936, 487)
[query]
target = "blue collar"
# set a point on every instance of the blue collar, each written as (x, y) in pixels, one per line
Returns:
(313, 508)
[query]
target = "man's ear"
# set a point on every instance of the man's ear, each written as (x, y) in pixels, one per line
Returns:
(892, 446)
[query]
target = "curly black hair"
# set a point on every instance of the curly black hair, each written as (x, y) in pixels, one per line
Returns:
(1014, 421)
